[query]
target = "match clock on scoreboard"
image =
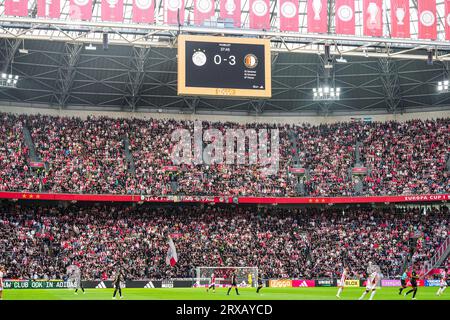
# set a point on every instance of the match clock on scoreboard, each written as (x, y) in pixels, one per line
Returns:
(222, 66)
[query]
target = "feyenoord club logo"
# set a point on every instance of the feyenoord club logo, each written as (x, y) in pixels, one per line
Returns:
(288, 10)
(259, 8)
(199, 58)
(143, 4)
(204, 6)
(250, 61)
(427, 18)
(173, 5)
(81, 2)
(345, 13)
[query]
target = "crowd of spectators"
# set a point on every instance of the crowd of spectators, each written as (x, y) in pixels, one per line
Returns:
(88, 156)
(85, 156)
(40, 242)
(15, 172)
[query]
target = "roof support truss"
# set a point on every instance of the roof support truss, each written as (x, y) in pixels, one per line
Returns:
(67, 71)
(136, 76)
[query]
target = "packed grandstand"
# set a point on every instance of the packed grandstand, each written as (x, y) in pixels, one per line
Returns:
(40, 242)
(88, 156)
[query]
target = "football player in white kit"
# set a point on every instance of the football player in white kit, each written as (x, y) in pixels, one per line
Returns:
(2, 272)
(341, 282)
(443, 284)
(374, 276)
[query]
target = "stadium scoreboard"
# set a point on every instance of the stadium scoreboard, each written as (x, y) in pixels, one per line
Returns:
(224, 66)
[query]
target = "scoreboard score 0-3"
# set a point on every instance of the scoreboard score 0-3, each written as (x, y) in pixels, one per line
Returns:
(224, 66)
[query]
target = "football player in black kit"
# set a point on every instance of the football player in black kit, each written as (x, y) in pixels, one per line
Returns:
(414, 277)
(233, 284)
(260, 283)
(117, 280)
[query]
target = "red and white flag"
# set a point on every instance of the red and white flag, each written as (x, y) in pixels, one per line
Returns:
(373, 18)
(288, 15)
(112, 10)
(427, 19)
(80, 9)
(143, 11)
(204, 10)
(171, 9)
(259, 14)
(317, 16)
(447, 20)
(172, 257)
(16, 8)
(345, 16)
(48, 8)
(231, 9)
(400, 19)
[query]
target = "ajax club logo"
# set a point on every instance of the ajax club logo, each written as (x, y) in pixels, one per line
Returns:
(199, 58)
(143, 4)
(174, 5)
(288, 9)
(259, 8)
(204, 6)
(427, 18)
(345, 13)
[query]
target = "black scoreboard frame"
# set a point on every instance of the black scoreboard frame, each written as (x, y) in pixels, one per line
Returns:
(183, 89)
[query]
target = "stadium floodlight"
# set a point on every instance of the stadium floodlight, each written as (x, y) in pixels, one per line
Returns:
(326, 93)
(443, 86)
(9, 80)
(341, 60)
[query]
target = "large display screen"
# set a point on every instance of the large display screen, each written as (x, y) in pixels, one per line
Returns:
(223, 66)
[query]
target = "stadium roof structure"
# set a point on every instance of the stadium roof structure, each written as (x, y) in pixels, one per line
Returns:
(58, 67)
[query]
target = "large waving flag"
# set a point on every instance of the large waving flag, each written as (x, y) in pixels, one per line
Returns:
(172, 257)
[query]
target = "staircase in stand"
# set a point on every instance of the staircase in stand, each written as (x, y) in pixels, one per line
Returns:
(35, 160)
(129, 156)
(30, 144)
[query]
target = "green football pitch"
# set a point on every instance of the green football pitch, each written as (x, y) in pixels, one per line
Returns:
(385, 293)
